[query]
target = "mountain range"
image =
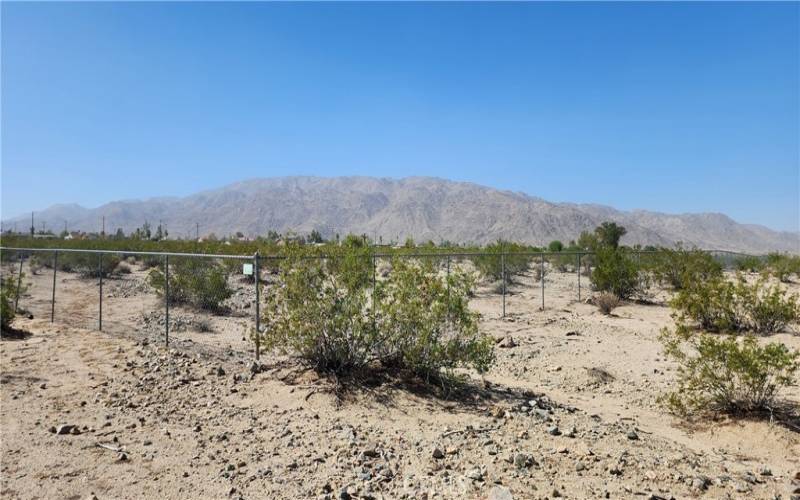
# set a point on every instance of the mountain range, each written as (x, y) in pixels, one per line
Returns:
(423, 208)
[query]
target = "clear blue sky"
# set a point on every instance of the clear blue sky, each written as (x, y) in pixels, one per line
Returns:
(673, 107)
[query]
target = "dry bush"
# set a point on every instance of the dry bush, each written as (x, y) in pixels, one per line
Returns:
(606, 302)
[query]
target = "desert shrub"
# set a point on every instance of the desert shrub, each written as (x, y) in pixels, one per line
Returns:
(199, 282)
(555, 246)
(87, 265)
(681, 268)
(414, 319)
(712, 304)
(726, 374)
(426, 324)
(748, 263)
(313, 314)
(767, 308)
(782, 266)
(606, 302)
(490, 264)
(8, 288)
(719, 305)
(539, 272)
(615, 271)
(122, 268)
(151, 261)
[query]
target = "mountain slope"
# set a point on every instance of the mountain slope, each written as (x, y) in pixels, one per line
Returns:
(421, 207)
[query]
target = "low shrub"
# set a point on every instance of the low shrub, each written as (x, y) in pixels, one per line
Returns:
(87, 265)
(8, 289)
(122, 268)
(615, 271)
(731, 375)
(720, 305)
(327, 314)
(491, 264)
(606, 302)
(681, 268)
(749, 264)
(426, 323)
(196, 281)
(782, 266)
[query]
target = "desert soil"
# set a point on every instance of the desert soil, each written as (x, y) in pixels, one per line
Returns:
(569, 410)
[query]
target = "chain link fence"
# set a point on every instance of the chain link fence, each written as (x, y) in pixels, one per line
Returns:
(215, 302)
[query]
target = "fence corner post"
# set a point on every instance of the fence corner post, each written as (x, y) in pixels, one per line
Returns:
(541, 274)
(503, 266)
(166, 300)
(100, 271)
(19, 284)
(256, 273)
(53, 300)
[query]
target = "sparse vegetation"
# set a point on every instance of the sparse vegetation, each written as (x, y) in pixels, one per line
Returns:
(616, 272)
(491, 264)
(729, 374)
(606, 302)
(680, 268)
(782, 266)
(719, 305)
(199, 282)
(328, 315)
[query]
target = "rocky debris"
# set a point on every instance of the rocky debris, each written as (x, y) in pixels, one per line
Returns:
(631, 435)
(65, 429)
(154, 322)
(507, 342)
(500, 493)
(438, 453)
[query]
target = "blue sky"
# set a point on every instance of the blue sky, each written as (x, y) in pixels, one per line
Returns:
(673, 107)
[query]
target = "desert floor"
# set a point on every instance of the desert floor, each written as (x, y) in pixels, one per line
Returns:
(569, 410)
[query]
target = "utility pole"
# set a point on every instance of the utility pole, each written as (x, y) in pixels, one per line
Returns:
(65, 228)
(33, 228)
(197, 230)
(103, 232)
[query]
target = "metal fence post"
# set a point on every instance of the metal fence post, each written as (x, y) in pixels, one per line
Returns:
(541, 273)
(53, 302)
(166, 299)
(448, 288)
(19, 284)
(503, 265)
(579, 276)
(258, 304)
(100, 270)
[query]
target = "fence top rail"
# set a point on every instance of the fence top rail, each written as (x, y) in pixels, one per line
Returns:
(375, 255)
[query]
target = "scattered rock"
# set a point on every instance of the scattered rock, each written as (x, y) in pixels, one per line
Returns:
(438, 453)
(65, 429)
(475, 474)
(500, 493)
(553, 430)
(632, 435)
(507, 342)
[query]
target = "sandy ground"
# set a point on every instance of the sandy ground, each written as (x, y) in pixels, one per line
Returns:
(199, 421)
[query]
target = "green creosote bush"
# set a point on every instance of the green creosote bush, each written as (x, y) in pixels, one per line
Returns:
(196, 281)
(726, 374)
(719, 305)
(490, 265)
(616, 271)
(426, 324)
(323, 312)
(8, 294)
(782, 266)
(681, 268)
(749, 263)
(87, 265)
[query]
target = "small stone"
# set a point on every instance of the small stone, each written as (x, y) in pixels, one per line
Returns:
(554, 431)
(122, 457)
(475, 474)
(508, 342)
(556, 493)
(632, 435)
(580, 466)
(64, 429)
(220, 371)
(522, 460)
(438, 453)
(43, 386)
(500, 493)
(765, 471)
